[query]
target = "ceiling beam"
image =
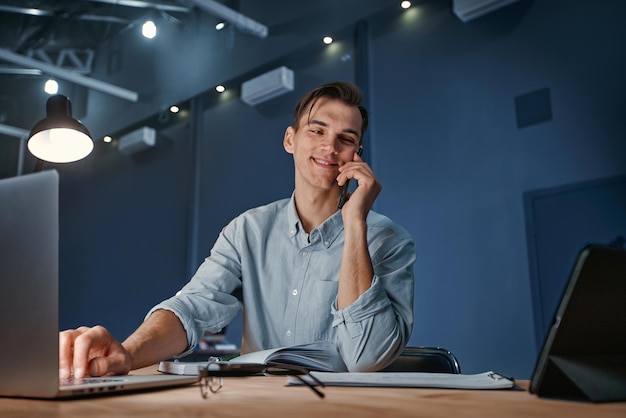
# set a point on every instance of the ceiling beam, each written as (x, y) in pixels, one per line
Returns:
(71, 76)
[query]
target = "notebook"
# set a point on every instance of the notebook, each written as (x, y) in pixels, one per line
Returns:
(584, 355)
(29, 238)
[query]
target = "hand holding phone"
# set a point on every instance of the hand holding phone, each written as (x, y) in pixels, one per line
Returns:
(344, 189)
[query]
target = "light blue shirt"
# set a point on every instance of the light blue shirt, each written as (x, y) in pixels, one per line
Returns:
(289, 281)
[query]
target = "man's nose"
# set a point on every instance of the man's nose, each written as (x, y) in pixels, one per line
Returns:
(330, 143)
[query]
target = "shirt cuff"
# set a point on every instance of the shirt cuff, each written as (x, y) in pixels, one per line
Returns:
(371, 302)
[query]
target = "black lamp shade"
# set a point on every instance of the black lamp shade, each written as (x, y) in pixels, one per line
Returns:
(59, 138)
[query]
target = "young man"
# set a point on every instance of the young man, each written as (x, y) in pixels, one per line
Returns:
(307, 271)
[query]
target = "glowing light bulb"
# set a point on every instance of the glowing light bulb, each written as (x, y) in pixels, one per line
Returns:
(51, 87)
(149, 29)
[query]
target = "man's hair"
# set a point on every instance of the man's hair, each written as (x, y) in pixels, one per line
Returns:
(346, 93)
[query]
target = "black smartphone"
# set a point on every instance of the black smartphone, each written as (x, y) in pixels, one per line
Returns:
(346, 187)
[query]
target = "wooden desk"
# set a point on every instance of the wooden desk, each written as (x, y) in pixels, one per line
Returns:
(258, 397)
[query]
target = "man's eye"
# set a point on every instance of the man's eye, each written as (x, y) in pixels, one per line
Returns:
(348, 140)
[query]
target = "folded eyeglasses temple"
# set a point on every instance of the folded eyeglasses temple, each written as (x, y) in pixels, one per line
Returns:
(215, 383)
(312, 387)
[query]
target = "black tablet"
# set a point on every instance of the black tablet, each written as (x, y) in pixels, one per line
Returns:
(584, 354)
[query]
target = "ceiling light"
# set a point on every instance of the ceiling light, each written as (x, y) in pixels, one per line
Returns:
(328, 40)
(220, 89)
(405, 4)
(59, 138)
(149, 29)
(220, 26)
(51, 87)
(174, 109)
(240, 21)
(107, 139)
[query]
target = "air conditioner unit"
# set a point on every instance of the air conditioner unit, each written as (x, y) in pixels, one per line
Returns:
(267, 86)
(137, 140)
(467, 10)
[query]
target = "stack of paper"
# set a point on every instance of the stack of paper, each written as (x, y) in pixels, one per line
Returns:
(487, 380)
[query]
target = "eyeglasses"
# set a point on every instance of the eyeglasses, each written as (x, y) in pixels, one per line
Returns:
(211, 376)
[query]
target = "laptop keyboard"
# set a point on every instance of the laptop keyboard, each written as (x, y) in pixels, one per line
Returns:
(89, 380)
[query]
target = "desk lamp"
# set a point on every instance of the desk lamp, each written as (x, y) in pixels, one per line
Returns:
(59, 138)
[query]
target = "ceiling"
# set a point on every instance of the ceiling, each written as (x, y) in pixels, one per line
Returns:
(66, 35)
(34, 24)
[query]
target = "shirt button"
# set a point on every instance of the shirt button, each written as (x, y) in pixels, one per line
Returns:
(294, 292)
(288, 333)
(304, 253)
(326, 243)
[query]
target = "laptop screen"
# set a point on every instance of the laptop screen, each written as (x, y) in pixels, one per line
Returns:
(29, 353)
(29, 235)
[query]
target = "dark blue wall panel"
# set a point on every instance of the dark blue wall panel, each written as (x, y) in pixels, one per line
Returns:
(455, 165)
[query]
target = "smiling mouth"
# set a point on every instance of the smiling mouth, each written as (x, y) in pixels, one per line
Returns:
(324, 163)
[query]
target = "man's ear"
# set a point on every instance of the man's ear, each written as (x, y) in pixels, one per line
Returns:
(288, 139)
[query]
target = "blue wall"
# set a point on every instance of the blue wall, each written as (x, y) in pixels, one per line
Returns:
(455, 165)
(124, 241)
(444, 141)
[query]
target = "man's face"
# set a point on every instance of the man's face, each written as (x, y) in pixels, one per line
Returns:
(326, 139)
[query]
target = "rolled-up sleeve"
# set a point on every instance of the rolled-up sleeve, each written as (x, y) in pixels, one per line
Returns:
(288, 281)
(372, 331)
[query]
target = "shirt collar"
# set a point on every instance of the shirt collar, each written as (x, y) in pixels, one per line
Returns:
(329, 230)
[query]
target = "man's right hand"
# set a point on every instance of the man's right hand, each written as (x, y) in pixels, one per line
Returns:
(91, 351)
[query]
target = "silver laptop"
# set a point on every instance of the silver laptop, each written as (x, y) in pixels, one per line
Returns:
(29, 260)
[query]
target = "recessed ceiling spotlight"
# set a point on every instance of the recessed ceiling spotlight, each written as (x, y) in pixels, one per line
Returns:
(220, 26)
(405, 4)
(220, 89)
(328, 40)
(174, 109)
(107, 139)
(51, 87)
(149, 29)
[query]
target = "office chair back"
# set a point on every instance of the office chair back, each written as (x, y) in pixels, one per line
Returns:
(425, 359)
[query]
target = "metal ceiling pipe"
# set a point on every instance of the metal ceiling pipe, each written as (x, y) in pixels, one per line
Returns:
(13, 131)
(240, 21)
(145, 5)
(21, 134)
(48, 13)
(73, 77)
